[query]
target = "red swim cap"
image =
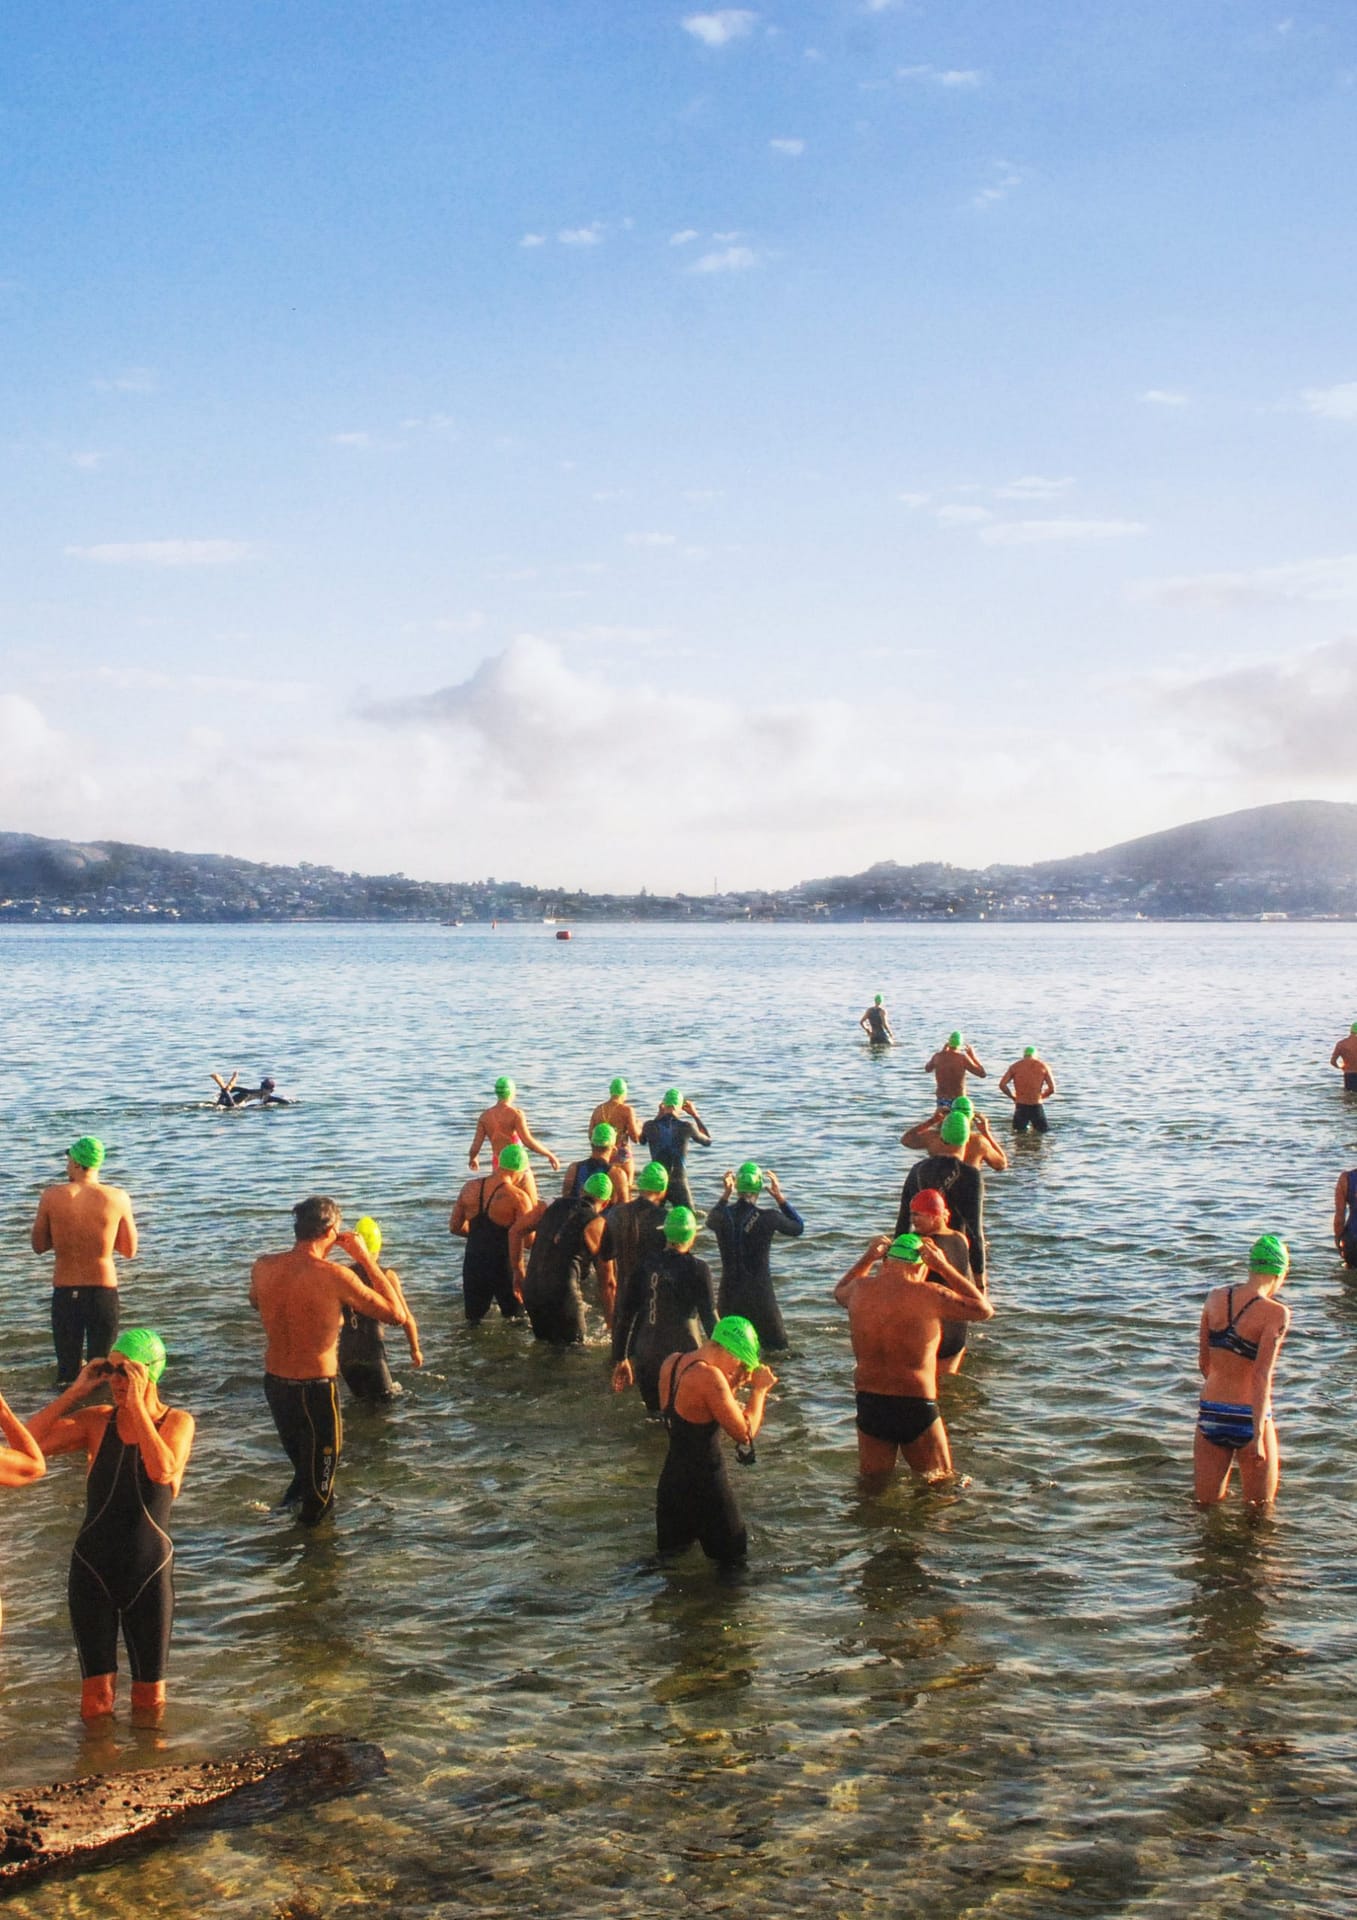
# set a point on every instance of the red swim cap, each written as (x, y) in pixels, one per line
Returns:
(929, 1200)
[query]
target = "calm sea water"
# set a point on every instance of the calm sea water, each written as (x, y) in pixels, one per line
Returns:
(1055, 1691)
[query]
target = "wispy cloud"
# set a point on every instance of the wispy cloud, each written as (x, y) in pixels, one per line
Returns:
(1320, 582)
(1037, 533)
(590, 236)
(88, 462)
(1272, 717)
(958, 79)
(353, 437)
(720, 28)
(1034, 486)
(130, 380)
(652, 539)
(959, 515)
(726, 260)
(684, 237)
(1332, 403)
(164, 553)
(792, 148)
(1165, 397)
(1005, 179)
(533, 240)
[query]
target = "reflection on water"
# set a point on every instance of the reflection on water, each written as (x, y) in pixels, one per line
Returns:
(1055, 1691)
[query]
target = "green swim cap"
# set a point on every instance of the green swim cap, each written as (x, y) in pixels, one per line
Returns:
(513, 1158)
(955, 1130)
(1353, 1027)
(617, 1089)
(737, 1336)
(877, 1000)
(504, 1088)
(680, 1223)
(673, 1098)
(749, 1178)
(1029, 1053)
(955, 1040)
(143, 1346)
(599, 1187)
(603, 1135)
(963, 1104)
(369, 1233)
(1269, 1255)
(86, 1151)
(906, 1247)
(653, 1178)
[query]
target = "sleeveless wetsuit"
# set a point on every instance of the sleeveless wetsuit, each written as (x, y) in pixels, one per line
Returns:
(667, 1306)
(695, 1500)
(963, 1188)
(744, 1233)
(556, 1267)
(584, 1170)
(669, 1138)
(876, 1020)
(362, 1353)
(122, 1564)
(487, 1272)
(82, 1317)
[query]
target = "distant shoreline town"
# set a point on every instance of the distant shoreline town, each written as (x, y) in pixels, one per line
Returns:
(1293, 861)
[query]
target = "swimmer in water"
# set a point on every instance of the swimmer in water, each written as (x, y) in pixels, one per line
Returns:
(84, 1223)
(618, 1113)
(695, 1500)
(744, 1233)
(602, 1159)
(949, 1067)
(264, 1095)
(982, 1149)
(565, 1235)
(1344, 1055)
(669, 1136)
(122, 1563)
(896, 1317)
(1241, 1334)
(487, 1210)
(876, 1024)
(1028, 1083)
(633, 1231)
(362, 1350)
(961, 1185)
(503, 1125)
(948, 1259)
(1345, 1217)
(668, 1306)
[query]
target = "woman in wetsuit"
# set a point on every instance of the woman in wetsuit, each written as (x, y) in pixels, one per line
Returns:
(667, 1306)
(122, 1563)
(485, 1212)
(1242, 1329)
(362, 1350)
(695, 1500)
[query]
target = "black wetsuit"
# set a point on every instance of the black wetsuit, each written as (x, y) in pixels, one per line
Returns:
(362, 1352)
(744, 1233)
(306, 1414)
(556, 1267)
(487, 1272)
(122, 1564)
(879, 1036)
(668, 1304)
(669, 1137)
(964, 1190)
(82, 1317)
(1349, 1248)
(632, 1234)
(585, 1170)
(952, 1246)
(695, 1500)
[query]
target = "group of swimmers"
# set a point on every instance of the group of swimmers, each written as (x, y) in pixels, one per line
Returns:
(623, 1240)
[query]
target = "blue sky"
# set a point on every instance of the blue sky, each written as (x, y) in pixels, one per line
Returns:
(614, 445)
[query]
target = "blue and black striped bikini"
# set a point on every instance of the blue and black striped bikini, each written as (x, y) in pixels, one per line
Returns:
(1224, 1422)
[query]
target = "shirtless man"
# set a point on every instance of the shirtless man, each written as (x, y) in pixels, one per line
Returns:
(1344, 1055)
(499, 1126)
(1345, 1217)
(84, 1223)
(300, 1296)
(982, 1149)
(896, 1315)
(949, 1067)
(875, 1023)
(618, 1113)
(1027, 1083)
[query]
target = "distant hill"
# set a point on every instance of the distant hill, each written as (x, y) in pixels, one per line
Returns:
(1298, 840)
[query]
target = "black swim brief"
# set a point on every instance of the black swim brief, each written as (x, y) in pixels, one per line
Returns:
(1350, 1083)
(897, 1419)
(1030, 1114)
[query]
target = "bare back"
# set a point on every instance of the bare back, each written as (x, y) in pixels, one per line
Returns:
(949, 1068)
(84, 1223)
(896, 1328)
(1345, 1053)
(1030, 1081)
(299, 1297)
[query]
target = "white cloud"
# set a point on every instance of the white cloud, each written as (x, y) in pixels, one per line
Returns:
(960, 79)
(963, 516)
(1332, 403)
(533, 240)
(164, 553)
(130, 380)
(792, 148)
(1165, 397)
(1321, 582)
(685, 237)
(1005, 179)
(1034, 486)
(652, 539)
(589, 236)
(727, 260)
(1033, 533)
(1272, 718)
(355, 437)
(720, 28)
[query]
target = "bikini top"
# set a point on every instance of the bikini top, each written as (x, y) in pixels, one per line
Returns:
(1226, 1339)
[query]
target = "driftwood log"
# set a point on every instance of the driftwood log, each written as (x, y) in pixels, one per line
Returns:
(78, 1823)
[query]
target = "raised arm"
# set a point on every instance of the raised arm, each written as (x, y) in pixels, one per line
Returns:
(951, 1277)
(164, 1449)
(786, 1220)
(961, 1299)
(923, 1137)
(860, 1268)
(992, 1153)
(741, 1423)
(700, 1133)
(21, 1458)
(57, 1427)
(973, 1063)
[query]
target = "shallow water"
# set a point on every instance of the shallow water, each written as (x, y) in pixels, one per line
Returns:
(1055, 1691)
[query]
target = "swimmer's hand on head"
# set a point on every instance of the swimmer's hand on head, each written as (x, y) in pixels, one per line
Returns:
(878, 1246)
(774, 1186)
(762, 1380)
(728, 1180)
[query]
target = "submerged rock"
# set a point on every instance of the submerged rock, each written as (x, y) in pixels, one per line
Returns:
(78, 1822)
